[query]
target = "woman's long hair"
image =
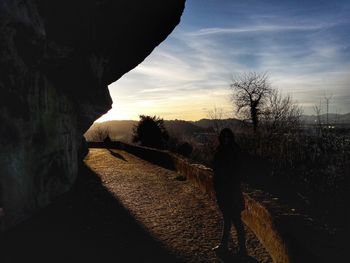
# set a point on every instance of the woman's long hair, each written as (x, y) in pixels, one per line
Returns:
(226, 132)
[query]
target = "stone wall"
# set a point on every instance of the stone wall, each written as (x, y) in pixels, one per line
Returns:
(57, 59)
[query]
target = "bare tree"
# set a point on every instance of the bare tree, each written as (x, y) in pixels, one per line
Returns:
(216, 115)
(280, 114)
(98, 133)
(250, 90)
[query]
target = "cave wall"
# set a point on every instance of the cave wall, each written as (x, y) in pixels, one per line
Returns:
(57, 58)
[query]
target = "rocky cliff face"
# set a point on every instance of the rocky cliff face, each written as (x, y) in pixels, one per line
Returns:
(56, 60)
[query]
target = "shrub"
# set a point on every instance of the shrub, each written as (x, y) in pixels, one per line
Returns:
(150, 132)
(185, 149)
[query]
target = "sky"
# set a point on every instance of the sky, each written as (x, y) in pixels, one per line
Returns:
(304, 46)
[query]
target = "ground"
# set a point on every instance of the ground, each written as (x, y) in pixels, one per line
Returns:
(126, 210)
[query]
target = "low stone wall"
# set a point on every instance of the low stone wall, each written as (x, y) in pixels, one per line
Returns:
(284, 233)
(259, 219)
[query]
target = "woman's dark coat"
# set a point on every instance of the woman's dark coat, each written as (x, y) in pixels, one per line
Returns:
(227, 178)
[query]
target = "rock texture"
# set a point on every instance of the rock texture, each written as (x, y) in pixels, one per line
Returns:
(56, 60)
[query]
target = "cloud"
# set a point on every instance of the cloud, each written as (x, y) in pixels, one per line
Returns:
(306, 55)
(258, 29)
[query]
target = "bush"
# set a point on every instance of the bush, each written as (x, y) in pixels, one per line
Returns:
(150, 132)
(185, 149)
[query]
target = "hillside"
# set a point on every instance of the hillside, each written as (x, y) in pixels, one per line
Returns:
(122, 129)
(118, 129)
(178, 128)
(208, 123)
(333, 118)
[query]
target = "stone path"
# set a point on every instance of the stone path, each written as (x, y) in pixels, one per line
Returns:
(186, 221)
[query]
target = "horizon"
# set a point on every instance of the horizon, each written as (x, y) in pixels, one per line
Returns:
(207, 118)
(302, 45)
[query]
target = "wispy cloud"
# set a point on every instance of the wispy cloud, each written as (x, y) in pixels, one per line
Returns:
(258, 29)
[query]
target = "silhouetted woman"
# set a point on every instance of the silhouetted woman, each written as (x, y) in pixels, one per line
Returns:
(227, 185)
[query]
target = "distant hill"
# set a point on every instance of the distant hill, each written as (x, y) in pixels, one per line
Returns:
(333, 118)
(122, 129)
(118, 129)
(179, 128)
(208, 123)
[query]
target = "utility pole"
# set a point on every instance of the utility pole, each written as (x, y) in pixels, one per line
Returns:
(327, 99)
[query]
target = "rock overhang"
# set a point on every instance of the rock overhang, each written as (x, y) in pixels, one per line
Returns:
(57, 59)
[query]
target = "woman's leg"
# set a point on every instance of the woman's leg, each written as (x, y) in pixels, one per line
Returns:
(226, 229)
(237, 222)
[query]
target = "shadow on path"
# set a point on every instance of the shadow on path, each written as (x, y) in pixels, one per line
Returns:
(119, 156)
(88, 224)
(230, 258)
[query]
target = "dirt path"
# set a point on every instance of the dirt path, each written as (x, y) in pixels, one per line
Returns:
(123, 209)
(174, 212)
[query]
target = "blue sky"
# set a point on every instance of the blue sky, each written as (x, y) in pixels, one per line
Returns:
(303, 45)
